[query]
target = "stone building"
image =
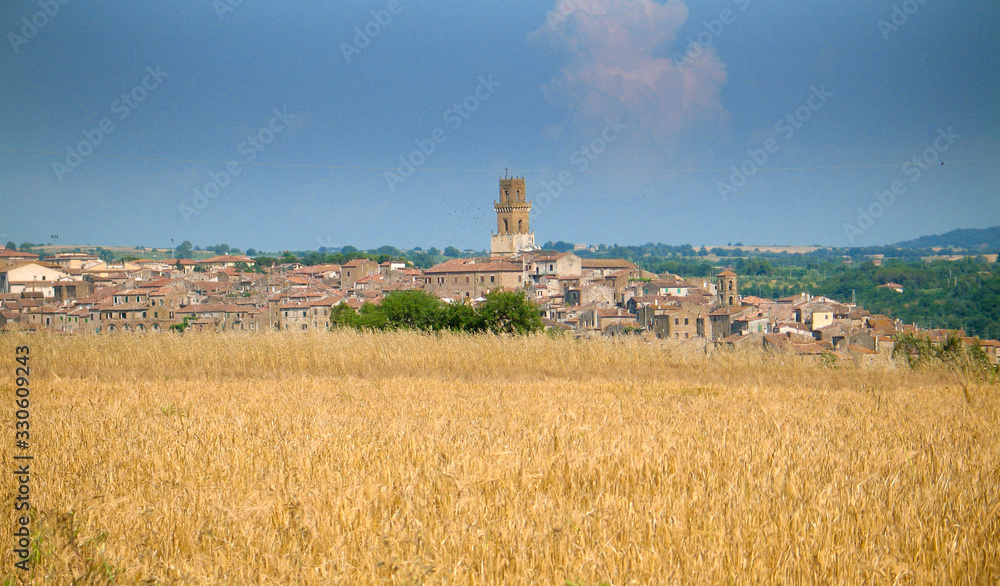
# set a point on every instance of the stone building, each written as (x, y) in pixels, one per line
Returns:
(356, 270)
(471, 278)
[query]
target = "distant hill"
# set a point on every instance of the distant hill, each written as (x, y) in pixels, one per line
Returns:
(987, 239)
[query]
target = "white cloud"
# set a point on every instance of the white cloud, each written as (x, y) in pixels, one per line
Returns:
(616, 66)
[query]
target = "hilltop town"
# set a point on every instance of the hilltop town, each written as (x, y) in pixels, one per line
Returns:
(73, 292)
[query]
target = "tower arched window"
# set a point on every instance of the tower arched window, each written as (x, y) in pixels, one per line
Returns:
(519, 228)
(730, 285)
(506, 229)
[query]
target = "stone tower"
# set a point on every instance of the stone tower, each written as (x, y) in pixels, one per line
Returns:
(728, 290)
(513, 210)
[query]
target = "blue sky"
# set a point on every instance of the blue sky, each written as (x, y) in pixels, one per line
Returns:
(632, 121)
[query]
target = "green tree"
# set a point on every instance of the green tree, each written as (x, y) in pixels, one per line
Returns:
(413, 310)
(184, 250)
(11, 246)
(372, 317)
(452, 251)
(343, 316)
(510, 312)
(462, 317)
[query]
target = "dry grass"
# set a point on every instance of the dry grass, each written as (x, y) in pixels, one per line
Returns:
(401, 458)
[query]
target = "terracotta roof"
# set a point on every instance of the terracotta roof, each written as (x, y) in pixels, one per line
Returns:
(550, 256)
(212, 308)
(120, 307)
(614, 313)
(316, 269)
(227, 258)
(727, 273)
(98, 295)
(465, 265)
(6, 253)
(325, 302)
(605, 263)
(727, 310)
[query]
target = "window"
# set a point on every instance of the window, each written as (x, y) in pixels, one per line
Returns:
(677, 321)
(144, 314)
(467, 279)
(520, 229)
(505, 228)
(493, 278)
(685, 321)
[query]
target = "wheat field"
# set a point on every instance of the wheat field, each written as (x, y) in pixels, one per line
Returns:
(401, 458)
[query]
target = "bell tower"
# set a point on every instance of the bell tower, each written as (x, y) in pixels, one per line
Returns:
(513, 219)
(728, 289)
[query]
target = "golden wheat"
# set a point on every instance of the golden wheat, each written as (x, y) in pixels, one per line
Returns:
(407, 458)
